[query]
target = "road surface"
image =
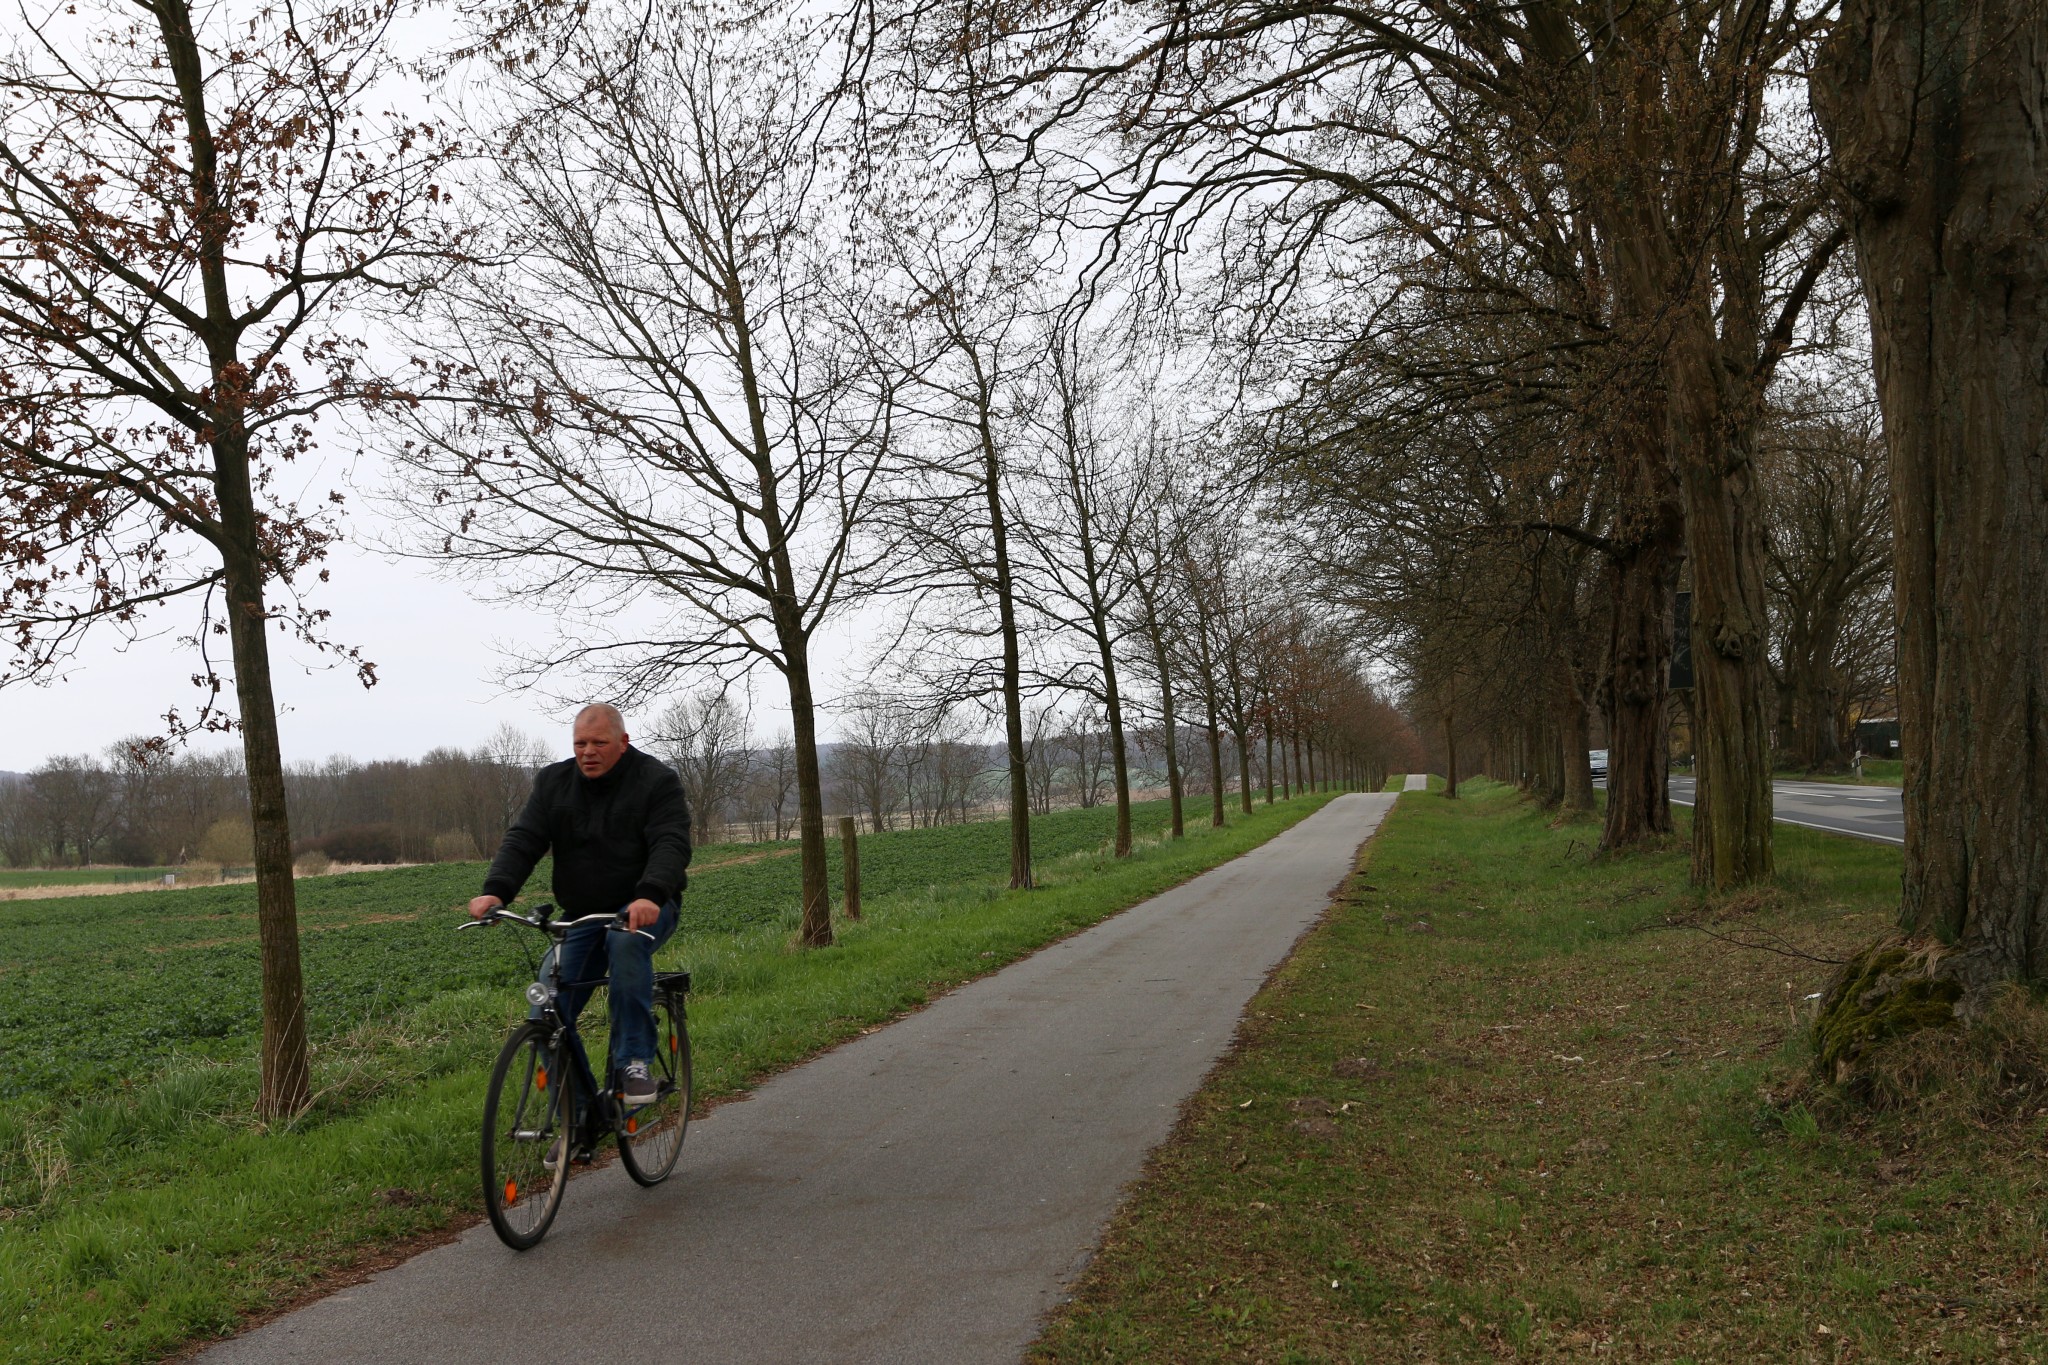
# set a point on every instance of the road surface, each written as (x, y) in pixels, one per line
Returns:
(1417, 782)
(1836, 807)
(923, 1193)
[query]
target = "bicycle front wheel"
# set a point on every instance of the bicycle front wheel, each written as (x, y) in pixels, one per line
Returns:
(651, 1137)
(527, 1141)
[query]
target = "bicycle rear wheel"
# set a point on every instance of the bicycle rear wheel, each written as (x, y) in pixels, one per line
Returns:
(528, 1114)
(651, 1137)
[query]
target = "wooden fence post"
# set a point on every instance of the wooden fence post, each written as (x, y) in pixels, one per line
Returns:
(849, 848)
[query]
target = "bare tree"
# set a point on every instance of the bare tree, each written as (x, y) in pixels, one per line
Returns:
(1828, 551)
(20, 831)
(507, 762)
(972, 306)
(75, 801)
(775, 782)
(662, 417)
(1152, 556)
(195, 208)
(1077, 539)
(866, 757)
(705, 738)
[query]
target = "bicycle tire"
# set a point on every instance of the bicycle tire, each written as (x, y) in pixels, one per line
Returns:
(651, 1137)
(527, 1112)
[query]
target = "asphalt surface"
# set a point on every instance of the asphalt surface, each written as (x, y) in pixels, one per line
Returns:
(923, 1193)
(1874, 813)
(1417, 782)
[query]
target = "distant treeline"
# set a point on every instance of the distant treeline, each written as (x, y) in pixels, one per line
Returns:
(136, 806)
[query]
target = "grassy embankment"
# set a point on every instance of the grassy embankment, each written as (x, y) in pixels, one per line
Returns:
(1498, 1106)
(139, 1205)
(1877, 772)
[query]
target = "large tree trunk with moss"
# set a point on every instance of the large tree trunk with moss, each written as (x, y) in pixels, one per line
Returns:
(1935, 115)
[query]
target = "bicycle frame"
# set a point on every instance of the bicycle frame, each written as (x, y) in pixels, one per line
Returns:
(546, 990)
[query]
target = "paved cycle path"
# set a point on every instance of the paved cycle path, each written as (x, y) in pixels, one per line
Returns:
(923, 1193)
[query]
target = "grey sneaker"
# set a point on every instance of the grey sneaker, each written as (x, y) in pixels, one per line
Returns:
(637, 1083)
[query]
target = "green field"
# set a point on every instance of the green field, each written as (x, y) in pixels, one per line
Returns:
(142, 1206)
(102, 989)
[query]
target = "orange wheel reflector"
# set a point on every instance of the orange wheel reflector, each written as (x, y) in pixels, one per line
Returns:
(540, 1078)
(511, 1192)
(671, 1042)
(632, 1126)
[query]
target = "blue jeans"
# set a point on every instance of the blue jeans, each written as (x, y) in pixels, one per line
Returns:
(593, 951)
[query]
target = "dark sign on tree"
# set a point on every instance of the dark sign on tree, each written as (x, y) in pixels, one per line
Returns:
(1681, 642)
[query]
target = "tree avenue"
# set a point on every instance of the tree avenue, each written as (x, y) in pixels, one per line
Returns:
(1199, 399)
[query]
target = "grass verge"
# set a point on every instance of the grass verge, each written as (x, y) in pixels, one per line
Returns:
(148, 1216)
(1876, 772)
(1509, 1103)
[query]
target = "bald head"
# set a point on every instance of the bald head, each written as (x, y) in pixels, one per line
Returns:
(601, 712)
(600, 739)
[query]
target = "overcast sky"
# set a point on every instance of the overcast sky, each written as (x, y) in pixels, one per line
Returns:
(435, 651)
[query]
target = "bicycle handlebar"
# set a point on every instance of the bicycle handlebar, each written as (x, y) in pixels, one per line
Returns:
(554, 928)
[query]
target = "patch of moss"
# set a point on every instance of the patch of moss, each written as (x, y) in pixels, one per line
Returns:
(1887, 990)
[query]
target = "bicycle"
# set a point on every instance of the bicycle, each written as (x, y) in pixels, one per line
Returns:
(532, 1132)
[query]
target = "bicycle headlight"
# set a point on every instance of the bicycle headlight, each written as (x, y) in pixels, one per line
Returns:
(537, 995)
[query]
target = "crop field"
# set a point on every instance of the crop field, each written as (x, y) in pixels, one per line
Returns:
(100, 991)
(142, 1205)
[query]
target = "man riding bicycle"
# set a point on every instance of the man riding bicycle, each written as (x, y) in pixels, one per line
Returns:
(620, 831)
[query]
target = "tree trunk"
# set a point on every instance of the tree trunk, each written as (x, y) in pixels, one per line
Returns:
(1269, 764)
(1730, 703)
(1013, 728)
(286, 1074)
(1450, 759)
(1635, 690)
(1810, 700)
(1244, 771)
(1215, 766)
(1208, 682)
(1120, 760)
(1162, 662)
(1935, 114)
(816, 925)
(1577, 728)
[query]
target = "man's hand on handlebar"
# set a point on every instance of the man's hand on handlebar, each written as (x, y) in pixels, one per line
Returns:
(641, 914)
(483, 905)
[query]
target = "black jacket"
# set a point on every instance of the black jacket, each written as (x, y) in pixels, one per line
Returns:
(616, 838)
